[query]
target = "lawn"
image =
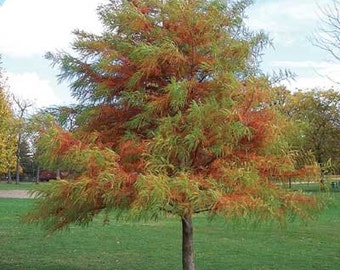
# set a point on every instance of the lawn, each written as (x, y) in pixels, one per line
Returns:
(157, 245)
(13, 186)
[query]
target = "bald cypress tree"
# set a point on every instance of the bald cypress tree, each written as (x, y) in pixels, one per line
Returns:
(176, 119)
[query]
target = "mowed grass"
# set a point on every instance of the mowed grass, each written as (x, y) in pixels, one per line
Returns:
(13, 186)
(157, 245)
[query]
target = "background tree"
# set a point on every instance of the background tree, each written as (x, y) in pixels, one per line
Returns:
(303, 158)
(65, 116)
(21, 107)
(36, 125)
(27, 162)
(319, 112)
(7, 140)
(7, 143)
(327, 36)
(178, 121)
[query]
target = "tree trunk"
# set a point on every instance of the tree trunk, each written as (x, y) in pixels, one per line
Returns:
(187, 243)
(37, 178)
(17, 166)
(9, 176)
(58, 174)
(17, 174)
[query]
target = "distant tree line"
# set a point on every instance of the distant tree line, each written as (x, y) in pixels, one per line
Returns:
(316, 113)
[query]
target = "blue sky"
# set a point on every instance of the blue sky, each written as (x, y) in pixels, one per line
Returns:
(28, 29)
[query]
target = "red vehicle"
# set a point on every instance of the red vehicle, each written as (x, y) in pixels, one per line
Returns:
(50, 175)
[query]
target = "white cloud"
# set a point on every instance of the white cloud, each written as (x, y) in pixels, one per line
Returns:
(312, 74)
(289, 23)
(33, 27)
(29, 86)
(322, 75)
(316, 82)
(306, 64)
(30, 28)
(286, 20)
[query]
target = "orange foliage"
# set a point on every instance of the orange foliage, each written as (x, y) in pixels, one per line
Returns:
(110, 123)
(260, 124)
(230, 201)
(131, 153)
(65, 142)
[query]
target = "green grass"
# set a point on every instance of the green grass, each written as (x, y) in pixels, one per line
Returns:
(158, 245)
(13, 186)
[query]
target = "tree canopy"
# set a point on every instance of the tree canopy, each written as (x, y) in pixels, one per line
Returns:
(319, 111)
(176, 119)
(7, 132)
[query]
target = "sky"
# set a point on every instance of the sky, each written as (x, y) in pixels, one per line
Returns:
(29, 29)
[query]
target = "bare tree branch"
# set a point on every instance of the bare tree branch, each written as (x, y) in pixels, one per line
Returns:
(327, 35)
(21, 107)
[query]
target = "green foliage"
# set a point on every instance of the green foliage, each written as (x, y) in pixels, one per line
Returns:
(319, 113)
(8, 145)
(26, 158)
